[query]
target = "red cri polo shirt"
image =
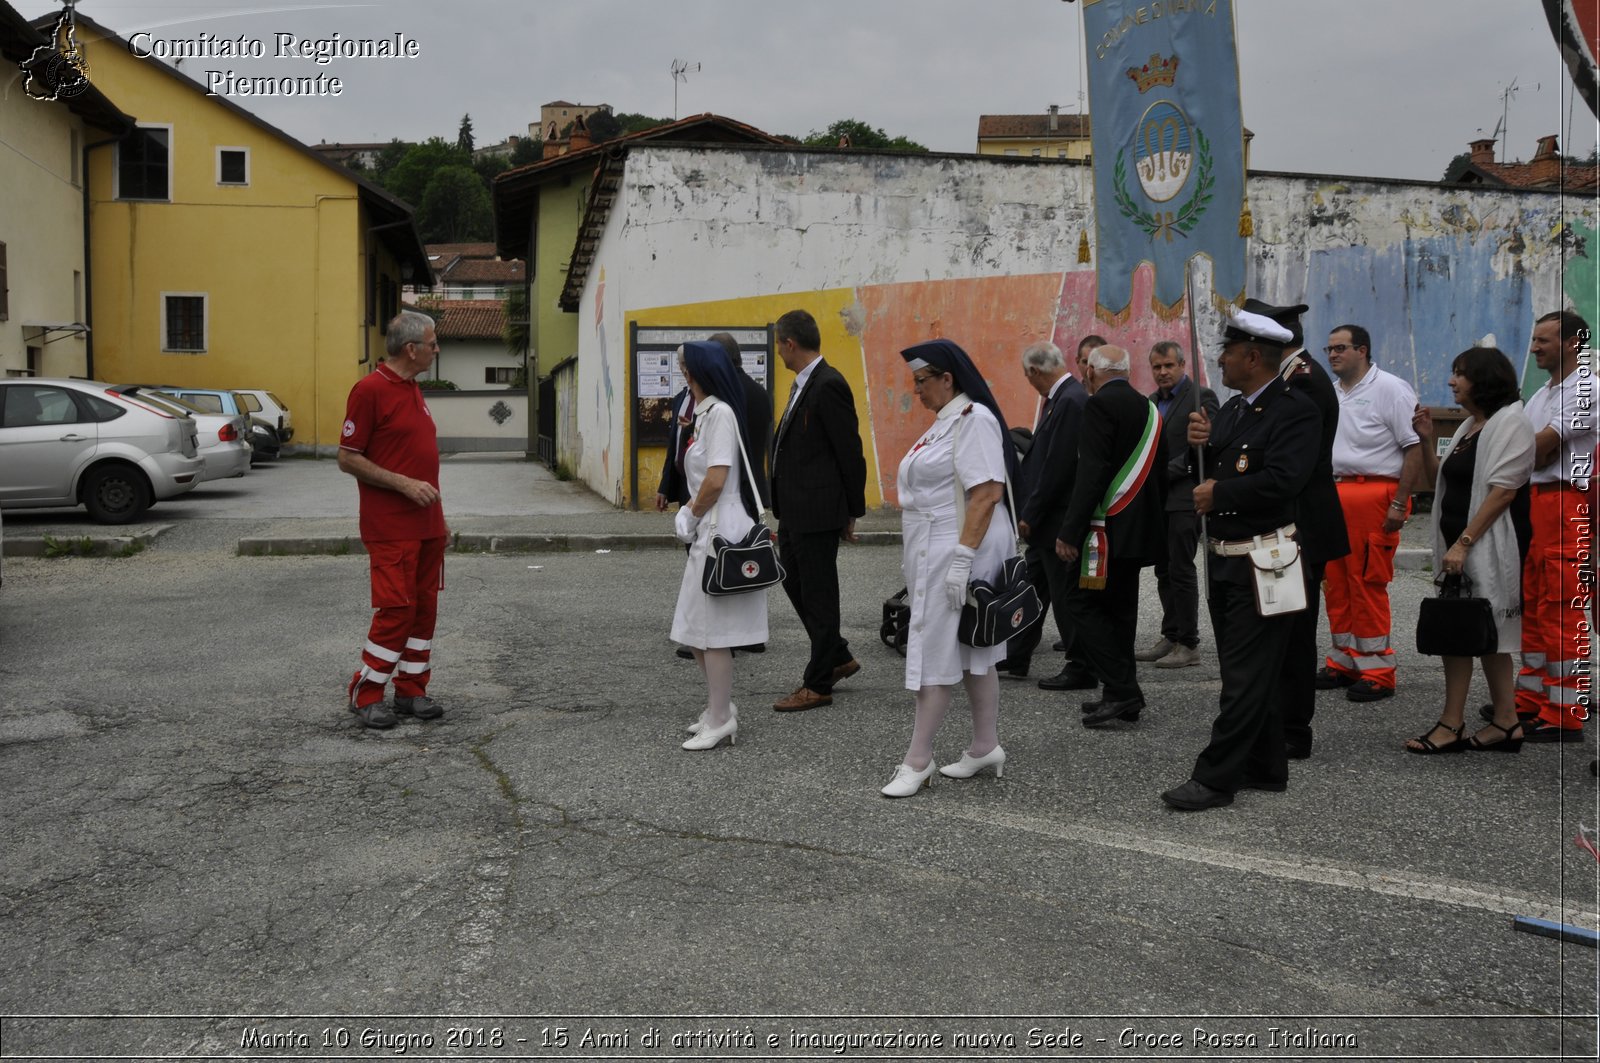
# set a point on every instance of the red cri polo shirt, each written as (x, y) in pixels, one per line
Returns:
(387, 422)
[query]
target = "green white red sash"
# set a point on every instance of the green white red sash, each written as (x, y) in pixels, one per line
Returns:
(1095, 560)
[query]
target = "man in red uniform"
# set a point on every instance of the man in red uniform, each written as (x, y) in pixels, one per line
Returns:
(391, 446)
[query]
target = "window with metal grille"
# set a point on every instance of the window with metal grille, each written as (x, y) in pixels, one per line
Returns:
(143, 165)
(184, 323)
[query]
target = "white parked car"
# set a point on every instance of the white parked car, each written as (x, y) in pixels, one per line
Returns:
(79, 443)
(270, 408)
(223, 440)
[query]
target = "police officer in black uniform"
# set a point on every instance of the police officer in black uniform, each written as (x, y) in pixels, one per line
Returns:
(1258, 457)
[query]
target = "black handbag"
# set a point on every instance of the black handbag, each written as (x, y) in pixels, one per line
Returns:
(747, 565)
(994, 614)
(1455, 624)
(896, 626)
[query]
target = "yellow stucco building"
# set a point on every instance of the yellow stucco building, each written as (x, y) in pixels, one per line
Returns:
(224, 253)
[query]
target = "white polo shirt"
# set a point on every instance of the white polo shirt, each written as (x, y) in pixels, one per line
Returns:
(1374, 425)
(1569, 408)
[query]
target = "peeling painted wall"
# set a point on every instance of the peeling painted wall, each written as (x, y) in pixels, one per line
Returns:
(889, 250)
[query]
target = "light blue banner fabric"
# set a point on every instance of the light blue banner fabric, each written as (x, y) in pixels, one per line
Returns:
(1168, 147)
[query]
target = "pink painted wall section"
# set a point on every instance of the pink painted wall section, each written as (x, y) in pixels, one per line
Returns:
(1075, 319)
(992, 318)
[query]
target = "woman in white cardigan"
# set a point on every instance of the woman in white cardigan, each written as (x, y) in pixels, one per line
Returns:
(1484, 466)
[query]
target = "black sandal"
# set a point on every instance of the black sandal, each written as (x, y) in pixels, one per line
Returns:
(1504, 745)
(1429, 748)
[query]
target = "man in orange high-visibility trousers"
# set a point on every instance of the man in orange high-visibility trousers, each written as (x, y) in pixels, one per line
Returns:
(1555, 686)
(1377, 462)
(391, 446)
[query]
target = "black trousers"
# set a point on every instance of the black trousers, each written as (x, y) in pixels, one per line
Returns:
(1298, 678)
(1247, 737)
(1176, 582)
(811, 580)
(1104, 623)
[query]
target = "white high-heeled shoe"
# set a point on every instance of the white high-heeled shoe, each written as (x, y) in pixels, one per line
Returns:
(711, 737)
(908, 780)
(699, 725)
(969, 765)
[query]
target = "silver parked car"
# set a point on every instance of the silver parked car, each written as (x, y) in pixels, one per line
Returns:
(223, 439)
(77, 442)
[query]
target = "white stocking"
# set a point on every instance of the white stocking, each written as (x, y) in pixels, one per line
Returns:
(718, 665)
(932, 704)
(983, 692)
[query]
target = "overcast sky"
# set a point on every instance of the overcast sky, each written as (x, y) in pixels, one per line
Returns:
(1390, 88)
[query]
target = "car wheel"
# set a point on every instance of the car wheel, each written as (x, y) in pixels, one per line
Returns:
(116, 494)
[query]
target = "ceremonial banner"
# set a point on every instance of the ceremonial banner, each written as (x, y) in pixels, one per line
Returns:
(1168, 148)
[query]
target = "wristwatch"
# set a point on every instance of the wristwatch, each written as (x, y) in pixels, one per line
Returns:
(1465, 540)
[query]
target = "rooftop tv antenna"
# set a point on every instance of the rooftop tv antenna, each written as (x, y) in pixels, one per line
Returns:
(681, 69)
(1506, 97)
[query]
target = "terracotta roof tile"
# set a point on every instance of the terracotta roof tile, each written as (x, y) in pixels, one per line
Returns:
(481, 271)
(469, 319)
(1068, 126)
(485, 250)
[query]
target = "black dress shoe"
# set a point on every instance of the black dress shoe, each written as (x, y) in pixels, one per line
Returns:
(1194, 796)
(1297, 750)
(1069, 678)
(1016, 669)
(686, 653)
(1092, 706)
(759, 647)
(1059, 646)
(1110, 711)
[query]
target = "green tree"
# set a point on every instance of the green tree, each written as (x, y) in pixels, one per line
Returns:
(1457, 165)
(489, 167)
(455, 208)
(464, 136)
(638, 123)
(528, 150)
(517, 332)
(388, 159)
(410, 177)
(861, 135)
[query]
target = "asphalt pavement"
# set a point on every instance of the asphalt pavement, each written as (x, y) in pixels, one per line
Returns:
(205, 856)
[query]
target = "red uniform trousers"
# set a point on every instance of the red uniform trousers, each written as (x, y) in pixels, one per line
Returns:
(1556, 679)
(406, 578)
(1356, 586)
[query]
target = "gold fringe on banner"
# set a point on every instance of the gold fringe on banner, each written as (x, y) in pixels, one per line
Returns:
(1225, 306)
(1114, 318)
(1247, 222)
(1165, 312)
(1083, 245)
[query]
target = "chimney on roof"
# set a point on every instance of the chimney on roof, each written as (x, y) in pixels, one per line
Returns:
(552, 142)
(1055, 117)
(1545, 168)
(579, 138)
(1482, 151)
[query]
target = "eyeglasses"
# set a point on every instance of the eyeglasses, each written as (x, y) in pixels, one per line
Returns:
(1340, 348)
(917, 380)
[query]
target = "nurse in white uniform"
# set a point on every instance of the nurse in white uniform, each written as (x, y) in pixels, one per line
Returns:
(720, 502)
(955, 527)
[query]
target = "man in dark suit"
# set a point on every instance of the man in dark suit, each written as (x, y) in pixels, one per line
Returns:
(819, 482)
(1115, 525)
(1176, 397)
(1042, 495)
(674, 486)
(757, 427)
(1258, 458)
(1320, 518)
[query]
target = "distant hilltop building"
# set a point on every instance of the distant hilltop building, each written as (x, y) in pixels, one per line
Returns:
(1051, 135)
(365, 155)
(470, 272)
(561, 114)
(1546, 171)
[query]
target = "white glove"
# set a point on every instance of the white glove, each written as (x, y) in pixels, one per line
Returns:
(685, 524)
(955, 580)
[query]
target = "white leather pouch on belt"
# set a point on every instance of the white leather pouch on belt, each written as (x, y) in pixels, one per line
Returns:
(1280, 584)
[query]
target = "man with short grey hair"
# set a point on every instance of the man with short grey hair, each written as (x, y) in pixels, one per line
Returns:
(391, 446)
(1115, 525)
(1176, 397)
(1041, 498)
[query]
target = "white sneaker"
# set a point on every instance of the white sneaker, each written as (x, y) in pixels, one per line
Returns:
(1159, 649)
(908, 780)
(1180, 657)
